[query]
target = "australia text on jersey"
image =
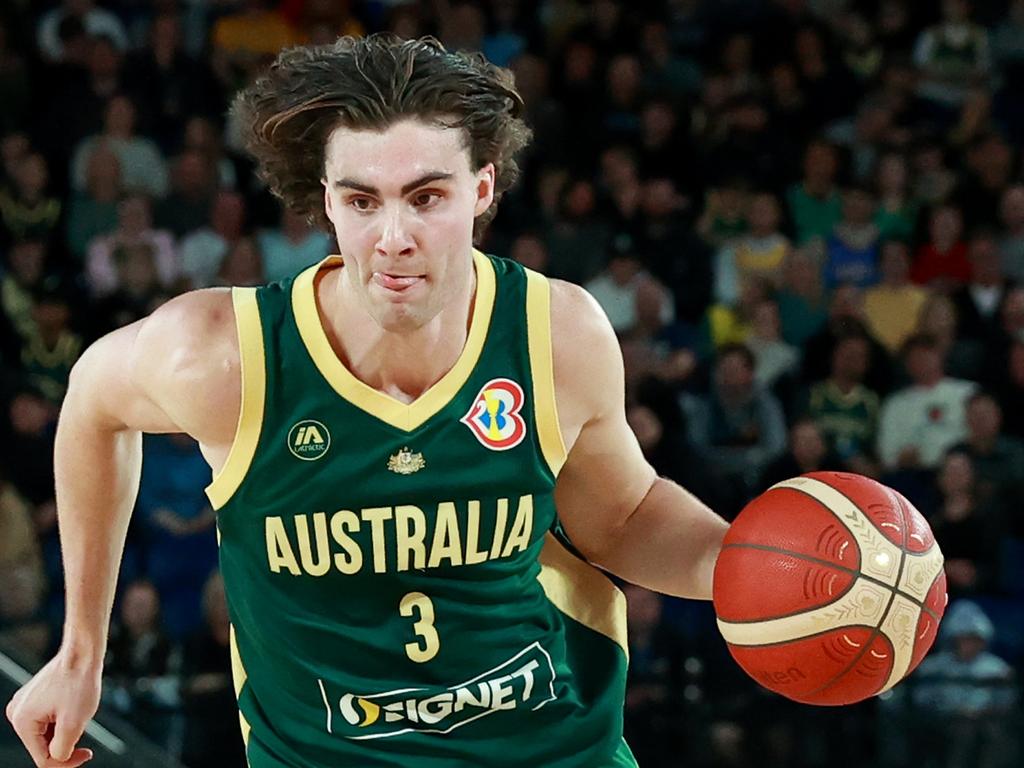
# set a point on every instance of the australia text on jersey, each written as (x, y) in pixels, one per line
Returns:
(350, 541)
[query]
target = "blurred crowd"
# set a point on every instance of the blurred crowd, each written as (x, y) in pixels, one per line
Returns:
(804, 219)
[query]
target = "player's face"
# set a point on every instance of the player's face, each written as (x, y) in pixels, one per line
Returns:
(403, 202)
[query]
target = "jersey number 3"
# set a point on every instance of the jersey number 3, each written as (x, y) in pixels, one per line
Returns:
(413, 604)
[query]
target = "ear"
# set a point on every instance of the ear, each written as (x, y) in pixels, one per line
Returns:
(328, 205)
(484, 189)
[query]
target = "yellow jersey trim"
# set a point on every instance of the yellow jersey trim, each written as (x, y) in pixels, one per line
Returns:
(252, 362)
(238, 676)
(542, 370)
(404, 416)
(582, 592)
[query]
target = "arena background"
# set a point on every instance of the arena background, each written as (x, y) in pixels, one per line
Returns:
(805, 218)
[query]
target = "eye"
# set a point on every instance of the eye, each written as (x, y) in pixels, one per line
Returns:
(425, 199)
(361, 203)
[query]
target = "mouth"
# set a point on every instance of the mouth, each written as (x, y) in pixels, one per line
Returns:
(396, 283)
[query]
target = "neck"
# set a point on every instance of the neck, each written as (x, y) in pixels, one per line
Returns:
(401, 365)
(844, 384)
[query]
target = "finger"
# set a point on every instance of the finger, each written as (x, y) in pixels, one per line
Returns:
(66, 734)
(78, 757)
(35, 743)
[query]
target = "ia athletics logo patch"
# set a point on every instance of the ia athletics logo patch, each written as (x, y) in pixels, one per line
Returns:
(309, 440)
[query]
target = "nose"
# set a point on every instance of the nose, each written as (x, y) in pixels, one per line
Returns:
(396, 236)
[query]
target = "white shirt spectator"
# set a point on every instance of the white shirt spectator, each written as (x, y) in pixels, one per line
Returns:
(97, 23)
(930, 419)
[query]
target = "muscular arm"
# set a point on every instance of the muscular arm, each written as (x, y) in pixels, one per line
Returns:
(146, 377)
(616, 510)
(175, 371)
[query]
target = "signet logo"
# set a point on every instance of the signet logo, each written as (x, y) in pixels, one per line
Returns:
(309, 440)
(524, 682)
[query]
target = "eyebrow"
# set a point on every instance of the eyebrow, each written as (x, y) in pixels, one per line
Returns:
(426, 178)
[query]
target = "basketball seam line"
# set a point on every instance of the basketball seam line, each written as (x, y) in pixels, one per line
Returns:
(898, 498)
(844, 569)
(858, 507)
(871, 639)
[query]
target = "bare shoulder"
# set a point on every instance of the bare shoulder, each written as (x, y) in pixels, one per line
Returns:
(587, 359)
(186, 358)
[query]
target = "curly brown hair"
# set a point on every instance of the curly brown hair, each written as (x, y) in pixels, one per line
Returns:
(371, 83)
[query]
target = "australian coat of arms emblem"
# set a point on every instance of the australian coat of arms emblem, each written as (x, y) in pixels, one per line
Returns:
(405, 462)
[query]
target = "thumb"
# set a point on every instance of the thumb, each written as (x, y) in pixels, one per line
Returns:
(66, 734)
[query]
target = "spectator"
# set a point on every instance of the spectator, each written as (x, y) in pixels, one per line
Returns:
(919, 423)
(965, 358)
(852, 247)
(803, 305)
(181, 544)
(966, 528)
(96, 22)
(844, 409)
(203, 250)
(933, 179)
(1011, 246)
(738, 428)
(292, 246)
(211, 711)
(137, 292)
(953, 56)
(893, 307)
(141, 663)
(22, 578)
(725, 213)
(193, 186)
(761, 253)
(990, 170)
(655, 685)
(942, 263)
(965, 694)
(143, 169)
(978, 301)
(202, 136)
(808, 452)
(578, 240)
(1009, 384)
(93, 211)
(48, 354)
(777, 363)
(29, 209)
(845, 316)
(998, 459)
(724, 324)
(624, 288)
(247, 38)
(242, 266)
(896, 215)
(1007, 38)
(26, 268)
(167, 85)
(814, 204)
(134, 227)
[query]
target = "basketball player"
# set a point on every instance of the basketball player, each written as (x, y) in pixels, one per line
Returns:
(418, 452)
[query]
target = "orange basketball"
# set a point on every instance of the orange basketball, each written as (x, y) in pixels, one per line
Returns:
(829, 588)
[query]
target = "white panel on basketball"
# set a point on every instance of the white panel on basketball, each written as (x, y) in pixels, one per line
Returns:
(879, 557)
(899, 626)
(862, 606)
(919, 572)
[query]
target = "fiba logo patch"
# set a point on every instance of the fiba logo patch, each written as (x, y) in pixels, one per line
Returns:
(309, 440)
(494, 416)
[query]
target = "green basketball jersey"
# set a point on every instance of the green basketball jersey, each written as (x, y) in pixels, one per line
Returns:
(397, 591)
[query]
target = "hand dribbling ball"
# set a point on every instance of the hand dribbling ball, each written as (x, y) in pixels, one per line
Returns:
(829, 588)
